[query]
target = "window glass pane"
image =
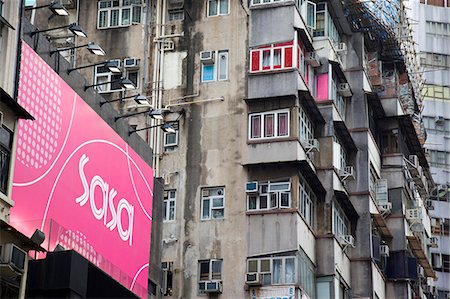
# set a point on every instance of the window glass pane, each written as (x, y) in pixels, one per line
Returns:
(212, 7)
(165, 210)
(255, 126)
(284, 202)
(290, 271)
(126, 16)
(208, 72)
(205, 212)
(277, 268)
(102, 79)
(273, 200)
(263, 202)
(265, 265)
(217, 202)
(103, 19)
(115, 84)
(136, 14)
(204, 270)
(5, 137)
(216, 270)
(252, 266)
(268, 125)
(283, 124)
(133, 77)
(277, 58)
(223, 65)
(223, 7)
(172, 210)
(266, 59)
(218, 213)
(252, 202)
(114, 17)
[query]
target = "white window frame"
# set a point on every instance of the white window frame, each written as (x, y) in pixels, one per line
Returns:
(219, 13)
(216, 65)
(271, 272)
(137, 77)
(264, 191)
(168, 200)
(306, 126)
(210, 273)
(341, 223)
(175, 12)
(120, 7)
(307, 202)
(168, 144)
(276, 114)
(211, 198)
(105, 88)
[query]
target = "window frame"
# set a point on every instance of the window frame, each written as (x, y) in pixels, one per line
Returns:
(269, 196)
(210, 273)
(120, 8)
(341, 224)
(167, 200)
(283, 47)
(307, 202)
(271, 272)
(211, 198)
(170, 145)
(216, 66)
(219, 13)
(306, 126)
(276, 118)
(5, 153)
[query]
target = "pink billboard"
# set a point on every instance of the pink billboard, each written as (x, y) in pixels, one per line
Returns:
(78, 181)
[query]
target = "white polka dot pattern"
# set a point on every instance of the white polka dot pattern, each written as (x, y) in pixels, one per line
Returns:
(77, 240)
(39, 94)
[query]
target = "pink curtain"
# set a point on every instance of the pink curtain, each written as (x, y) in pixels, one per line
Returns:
(282, 124)
(256, 126)
(268, 125)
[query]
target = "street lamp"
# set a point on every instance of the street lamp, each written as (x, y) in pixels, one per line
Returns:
(74, 28)
(110, 64)
(92, 47)
(124, 82)
(56, 8)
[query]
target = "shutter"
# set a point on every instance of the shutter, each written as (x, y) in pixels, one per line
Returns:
(255, 61)
(288, 57)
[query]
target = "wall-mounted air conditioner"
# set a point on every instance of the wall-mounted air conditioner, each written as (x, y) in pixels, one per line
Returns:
(344, 90)
(131, 62)
(251, 187)
(213, 287)
(413, 214)
(207, 57)
(253, 279)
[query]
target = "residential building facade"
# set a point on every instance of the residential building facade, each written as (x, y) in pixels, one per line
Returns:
(432, 33)
(297, 169)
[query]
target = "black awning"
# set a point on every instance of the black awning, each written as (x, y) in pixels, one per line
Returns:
(9, 101)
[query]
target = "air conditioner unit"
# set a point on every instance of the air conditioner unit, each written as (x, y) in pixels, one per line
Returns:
(213, 287)
(311, 145)
(207, 57)
(413, 214)
(347, 172)
(433, 242)
(384, 250)
(251, 187)
(175, 4)
(429, 205)
(253, 279)
(348, 240)
(414, 160)
(344, 90)
(130, 62)
(312, 59)
(439, 119)
(13, 256)
(385, 207)
(341, 48)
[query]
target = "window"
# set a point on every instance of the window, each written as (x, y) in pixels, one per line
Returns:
(272, 57)
(307, 202)
(210, 270)
(339, 154)
(218, 7)
(440, 159)
(341, 224)
(118, 13)
(104, 75)
(305, 125)
(274, 270)
(176, 15)
(6, 138)
(169, 205)
(213, 203)
(440, 226)
(307, 275)
(171, 139)
(271, 195)
(167, 268)
(215, 67)
(441, 262)
(271, 124)
(310, 15)
(325, 24)
(438, 28)
(133, 76)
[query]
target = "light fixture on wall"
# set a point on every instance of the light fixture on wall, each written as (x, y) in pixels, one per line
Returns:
(57, 8)
(157, 114)
(110, 64)
(166, 127)
(124, 82)
(74, 28)
(92, 47)
(138, 98)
